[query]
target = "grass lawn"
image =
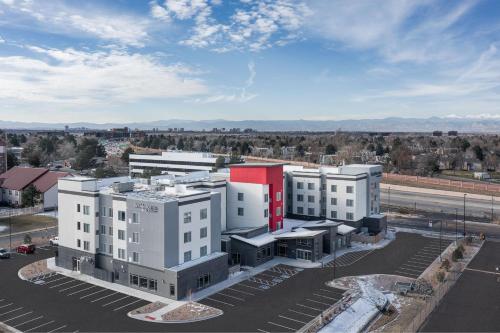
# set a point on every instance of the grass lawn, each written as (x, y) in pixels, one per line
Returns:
(26, 223)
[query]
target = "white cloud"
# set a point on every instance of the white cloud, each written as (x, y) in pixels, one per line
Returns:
(56, 17)
(2, 40)
(79, 78)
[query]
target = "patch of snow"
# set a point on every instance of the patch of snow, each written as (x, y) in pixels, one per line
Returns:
(3, 228)
(354, 318)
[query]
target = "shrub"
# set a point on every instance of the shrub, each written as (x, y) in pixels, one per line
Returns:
(27, 239)
(440, 276)
(404, 210)
(456, 255)
(445, 264)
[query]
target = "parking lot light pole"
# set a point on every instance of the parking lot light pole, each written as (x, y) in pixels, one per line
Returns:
(456, 225)
(334, 257)
(465, 195)
(440, 239)
(10, 234)
(492, 215)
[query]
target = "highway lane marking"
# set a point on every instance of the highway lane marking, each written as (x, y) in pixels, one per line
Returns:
(311, 300)
(34, 328)
(302, 313)
(62, 284)
(77, 285)
(237, 298)
(29, 321)
(6, 305)
(240, 291)
(291, 329)
(57, 329)
(79, 291)
(309, 307)
(24, 314)
(1, 314)
(116, 300)
(333, 299)
(299, 321)
(114, 293)
(123, 306)
(99, 291)
(215, 300)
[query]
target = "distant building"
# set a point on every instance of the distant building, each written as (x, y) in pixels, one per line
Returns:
(452, 133)
(16, 151)
(3, 155)
(437, 133)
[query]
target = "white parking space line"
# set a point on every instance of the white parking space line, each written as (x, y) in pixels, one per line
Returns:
(412, 275)
(425, 256)
(230, 296)
(55, 280)
(34, 328)
(24, 314)
(28, 321)
(262, 331)
(242, 292)
(302, 313)
(288, 328)
(98, 299)
(309, 307)
(62, 284)
(6, 305)
(116, 300)
(244, 285)
(268, 275)
(409, 269)
(124, 306)
(76, 285)
(288, 318)
(311, 300)
(79, 291)
(333, 299)
(96, 292)
(1, 300)
(419, 261)
(1, 314)
(57, 329)
(42, 248)
(331, 291)
(215, 300)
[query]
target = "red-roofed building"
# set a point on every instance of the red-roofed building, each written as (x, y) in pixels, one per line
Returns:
(16, 180)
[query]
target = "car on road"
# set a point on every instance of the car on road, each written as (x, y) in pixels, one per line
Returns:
(4, 254)
(54, 240)
(26, 248)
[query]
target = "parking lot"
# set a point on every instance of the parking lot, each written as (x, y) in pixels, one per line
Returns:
(281, 298)
(348, 258)
(473, 304)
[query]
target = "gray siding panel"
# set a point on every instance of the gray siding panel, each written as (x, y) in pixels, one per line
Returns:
(171, 234)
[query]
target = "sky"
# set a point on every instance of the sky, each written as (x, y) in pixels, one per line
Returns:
(133, 60)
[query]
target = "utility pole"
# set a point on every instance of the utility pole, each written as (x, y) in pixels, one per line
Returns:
(10, 233)
(456, 225)
(389, 203)
(334, 257)
(492, 219)
(465, 195)
(440, 239)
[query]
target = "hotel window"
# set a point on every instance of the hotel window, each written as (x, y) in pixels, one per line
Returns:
(333, 214)
(103, 230)
(203, 214)
(349, 202)
(278, 196)
(153, 285)
(78, 243)
(310, 186)
(103, 211)
(135, 237)
(278, 211)
(121, 253)
(78, 226)
(266, 197)
(143, 282)
(323, 187)
(240, 196)
(110, 231)
(310, 198)
(172, 289)
(300, 210)
(334, 188)
(187, 237)
(86, 245)
(86, 210)
(135, 256)
(121, 215)
(134, 280)
(187, 217)
(203, 232)
(266, 213)
(333, 201)
(86, 227)
(349, 216)
(349, 189)
(110, 212)
(300, 185)
(241, 211)
(135, 218)
(300, 197)
(110, 249)
(310, 211)
(121, 234)
(187, 256)
(203, 251)
(78, 208)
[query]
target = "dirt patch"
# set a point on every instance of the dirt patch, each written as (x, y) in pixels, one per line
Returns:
(148, 308)
(191, 311)
(26, 223)
(34, 269)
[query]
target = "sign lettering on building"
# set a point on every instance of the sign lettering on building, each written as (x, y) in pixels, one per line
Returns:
(146, 207)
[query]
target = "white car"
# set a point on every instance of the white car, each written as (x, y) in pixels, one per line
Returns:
(54, 241)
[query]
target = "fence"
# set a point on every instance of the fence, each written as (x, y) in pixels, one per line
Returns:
(457, 185)
(8, 212)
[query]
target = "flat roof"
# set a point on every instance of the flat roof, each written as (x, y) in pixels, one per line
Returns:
(345, 229)
(257, 241)
(300, 233)
(253, 165)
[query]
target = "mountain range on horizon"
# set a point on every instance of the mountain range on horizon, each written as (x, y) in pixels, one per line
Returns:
(392, 124)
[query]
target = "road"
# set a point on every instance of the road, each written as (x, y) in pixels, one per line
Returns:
(39, 236)
(440, 203)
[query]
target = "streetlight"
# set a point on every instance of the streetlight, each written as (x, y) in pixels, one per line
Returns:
(440, 238)
(456, 225)
(389, 203)
(492, 209)
(334, 257)
(465, 195)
